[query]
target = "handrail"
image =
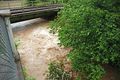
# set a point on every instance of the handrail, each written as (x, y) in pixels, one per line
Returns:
(21, 4)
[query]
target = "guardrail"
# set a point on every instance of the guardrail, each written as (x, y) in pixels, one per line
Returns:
(21, 4)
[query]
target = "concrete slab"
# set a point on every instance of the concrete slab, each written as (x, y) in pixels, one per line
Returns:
(5, 12)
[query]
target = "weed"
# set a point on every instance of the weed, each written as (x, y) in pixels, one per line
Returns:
(27, 77)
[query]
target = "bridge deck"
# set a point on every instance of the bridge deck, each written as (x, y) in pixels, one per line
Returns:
(18, 11)
(19, 14)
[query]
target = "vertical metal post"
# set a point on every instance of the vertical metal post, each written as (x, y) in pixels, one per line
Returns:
(22, 6)
(32, 4)
(9, 4)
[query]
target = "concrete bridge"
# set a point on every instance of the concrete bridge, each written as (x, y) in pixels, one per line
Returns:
(21, 10)
(21, 14)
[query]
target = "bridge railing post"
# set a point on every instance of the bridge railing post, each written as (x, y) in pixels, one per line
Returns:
(8, 4)
(32, 3)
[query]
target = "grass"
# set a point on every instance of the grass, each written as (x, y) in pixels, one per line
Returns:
(17, 42)
(27, 77)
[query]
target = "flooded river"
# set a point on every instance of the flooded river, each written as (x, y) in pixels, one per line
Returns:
(37, 47)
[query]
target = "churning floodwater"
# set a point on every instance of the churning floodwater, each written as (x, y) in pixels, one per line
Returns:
(37, 47)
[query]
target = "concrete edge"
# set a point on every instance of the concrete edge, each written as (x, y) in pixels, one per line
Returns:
(5, 13)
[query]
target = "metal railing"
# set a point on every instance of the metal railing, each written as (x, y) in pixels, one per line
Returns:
(10, 4)
(21, 4)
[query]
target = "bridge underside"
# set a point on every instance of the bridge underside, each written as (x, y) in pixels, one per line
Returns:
(42, 14)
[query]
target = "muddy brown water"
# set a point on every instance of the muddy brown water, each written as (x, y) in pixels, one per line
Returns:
(37, 48)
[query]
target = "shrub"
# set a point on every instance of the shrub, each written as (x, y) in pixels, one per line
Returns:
(116, 64)
(92, 29)
(56, 72)
(78, 78)
(27, 77)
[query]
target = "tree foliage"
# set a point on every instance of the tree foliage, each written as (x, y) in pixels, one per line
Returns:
(92, 29)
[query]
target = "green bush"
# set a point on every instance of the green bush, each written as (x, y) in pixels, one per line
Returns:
(56, 72)
(92, 29)
(78, 78)
(27, 77)
(116, 64)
